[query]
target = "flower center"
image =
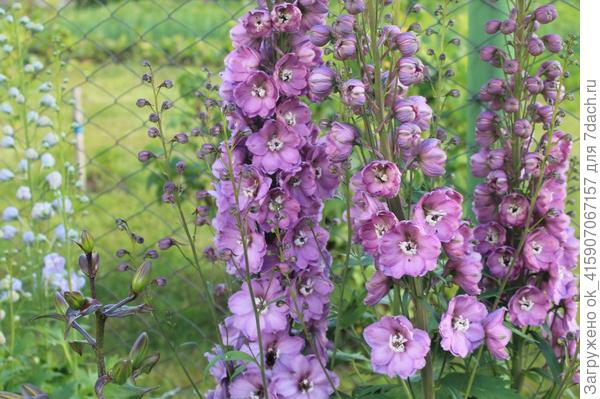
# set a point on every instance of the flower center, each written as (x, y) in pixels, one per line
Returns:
(275, 144)
(515, 210)
(300, 239)
(461, 324)
(283, 17)
(290, 118)
(380, 230)
(506, 260)
(433, 217)
(258, 91)
(307, 288)
(525, 304)
(536, 248)
(286, 75)
(491, 236)
(261, 304)
(408, 247)
(276, 204)
(271, 356)
(256, 395)
(305, 385)
(381, 175)
(318, 172)
(397, 342)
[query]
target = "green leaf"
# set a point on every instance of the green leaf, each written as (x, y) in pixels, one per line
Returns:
(520, 333)
(548, 353)
(230, 356)
(484, 386)
(347, 356)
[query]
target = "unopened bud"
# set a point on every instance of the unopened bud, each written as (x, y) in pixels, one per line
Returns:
(87, 242)
(138, 350)
(60, 303)
(141, 278)
(75, 299)
(121, 371)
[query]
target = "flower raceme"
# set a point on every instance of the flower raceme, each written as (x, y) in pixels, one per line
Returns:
(271, 177)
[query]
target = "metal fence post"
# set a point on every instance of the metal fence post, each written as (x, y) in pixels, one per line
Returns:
(480, 11)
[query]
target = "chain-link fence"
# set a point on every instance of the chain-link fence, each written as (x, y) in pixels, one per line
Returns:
(105, 42)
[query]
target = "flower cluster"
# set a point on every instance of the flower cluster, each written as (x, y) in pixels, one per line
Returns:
(524, 232)
(271, 179)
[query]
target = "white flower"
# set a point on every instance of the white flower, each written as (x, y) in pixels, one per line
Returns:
(7, 142)
(7, 48)
(54, 180)
(32, 116)
(6, 175)
(42, 210)
(13, 92)
(45, 87)
(3, 78)
(50, 140)
(28, 237)
(47, 160)
(31, 154)
(48, 100)
(23, 193)
(36, 27)
(3, 38)
(23, 165)
(8, 232)
(58, 204)
(8, 130)
(24, 20)
(6, 108)
(10, 213)
(44, 121)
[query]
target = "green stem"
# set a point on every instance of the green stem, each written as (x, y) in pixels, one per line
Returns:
(422, 323)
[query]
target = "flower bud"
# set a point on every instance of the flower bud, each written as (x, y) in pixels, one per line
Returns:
(148, 363)
(345, 48)
(86, 242)
(354, 7)
(166, 243)
(319, 35)
(535, 46)
(534, 84)
(153, 132)
(320, 83)
(121, 371)
(511, 105)
(141, 278)
(508, 26)
(60, 303)
(522, 128)
(410, 70)
(492, 26)
(145, 156)
(142, 102)
(75, 299)
(138, 350)
(553, 43)
(353, 93)
(343, 26)
(545, 14)
(181, 138)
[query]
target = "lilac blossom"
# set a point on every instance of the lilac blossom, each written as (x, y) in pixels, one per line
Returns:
(528, 307)
(461, 326)
(397, 348)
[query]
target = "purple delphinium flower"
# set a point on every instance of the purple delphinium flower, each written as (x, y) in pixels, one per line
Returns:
(275, 147)
(340, 140)
(257, 95)
(461, 326)
(275, 347)
(228, 240)
(269, 301)
(286, 17)
(489, 236)
(379, 179)
(306, 242)
(370, 232)
(281, 210)
(290, 75)
(353, 93)
(311, 295)
(407, 250)
(377, 287)
(540, 250)
(497, 336)
(295, 115)
(500, 260)
(257, 23)
(513, 210)
(301, 377)
(431, 158)
(467, 272)
(528, 307)
(249, 384)
(397, 348)
(439, 212)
